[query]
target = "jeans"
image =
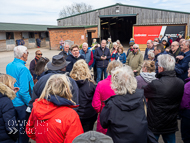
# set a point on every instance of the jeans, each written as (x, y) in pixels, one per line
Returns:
(168, 138)
(185, 129)
(99, 72)
(22, 118)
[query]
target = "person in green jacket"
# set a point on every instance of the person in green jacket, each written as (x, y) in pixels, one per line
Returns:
(135, 60)
(109, 44)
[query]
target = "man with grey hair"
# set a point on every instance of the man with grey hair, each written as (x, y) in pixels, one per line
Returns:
(175, 49)
(65, 51)
(87, 54)
(164, 97)
(24, 81)
(182, 66)
(109, 44)
(150, 46)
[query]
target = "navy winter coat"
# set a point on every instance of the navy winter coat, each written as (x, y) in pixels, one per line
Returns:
(86, 93)
(183, 66)
(8, 127)
(72, 60)
(97, 55)
(39, 86)
(125, 118)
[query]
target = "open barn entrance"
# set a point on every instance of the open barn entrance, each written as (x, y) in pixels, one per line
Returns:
(117, 27)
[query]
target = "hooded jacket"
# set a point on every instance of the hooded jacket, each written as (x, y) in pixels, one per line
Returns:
(53, 121)
(164, 98)
(8, 128)
(65, 54)
(86, 93)
(125, 118)
(145, 78)
(39, 86)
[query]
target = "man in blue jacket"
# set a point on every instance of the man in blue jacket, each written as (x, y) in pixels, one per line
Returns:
(182, 66)
(102, 56)
(24, 81)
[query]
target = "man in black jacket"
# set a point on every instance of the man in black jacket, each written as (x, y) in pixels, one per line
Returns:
(164, 97)
(57, 66)
(73, 57)
(102, 56)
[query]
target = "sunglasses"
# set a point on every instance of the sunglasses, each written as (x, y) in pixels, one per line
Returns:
(135, 48)
(39, 54)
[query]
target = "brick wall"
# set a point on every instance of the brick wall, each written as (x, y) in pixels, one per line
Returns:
(56, 35)
(69, 34)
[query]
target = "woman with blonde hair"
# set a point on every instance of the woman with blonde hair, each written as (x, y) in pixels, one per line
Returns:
(147, 75)
(124, 115)
(103, 92)
(82, 75)
(8, 121)
(52, 118)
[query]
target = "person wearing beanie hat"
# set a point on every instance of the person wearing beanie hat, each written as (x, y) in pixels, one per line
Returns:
(130, 47)
(164, 42)
(92, 137)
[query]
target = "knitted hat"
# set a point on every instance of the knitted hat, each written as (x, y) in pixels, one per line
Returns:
(92, 137)
(131, 43)
(165, 38)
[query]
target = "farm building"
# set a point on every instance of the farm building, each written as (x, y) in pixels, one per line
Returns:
(118, 22)
(11, 33)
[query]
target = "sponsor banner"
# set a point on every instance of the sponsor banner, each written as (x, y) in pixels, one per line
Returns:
(144, 33)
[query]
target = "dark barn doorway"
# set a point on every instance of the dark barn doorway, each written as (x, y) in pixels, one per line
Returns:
(117, 28)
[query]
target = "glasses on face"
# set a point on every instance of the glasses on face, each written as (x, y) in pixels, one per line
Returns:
(135, 48)
(172, 45)
(40, 54)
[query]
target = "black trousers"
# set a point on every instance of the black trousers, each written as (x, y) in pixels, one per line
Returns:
(88, 123)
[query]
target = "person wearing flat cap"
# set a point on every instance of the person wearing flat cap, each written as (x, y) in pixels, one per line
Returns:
(57, 66)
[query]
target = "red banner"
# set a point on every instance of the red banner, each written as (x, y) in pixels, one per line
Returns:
(144, 33)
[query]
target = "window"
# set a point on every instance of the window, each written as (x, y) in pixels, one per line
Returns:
(31, 34)
(9, 35)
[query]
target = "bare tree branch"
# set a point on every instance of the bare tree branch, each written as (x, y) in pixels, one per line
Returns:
(75, 8)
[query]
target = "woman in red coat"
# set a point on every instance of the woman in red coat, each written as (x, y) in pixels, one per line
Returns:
(52, 119)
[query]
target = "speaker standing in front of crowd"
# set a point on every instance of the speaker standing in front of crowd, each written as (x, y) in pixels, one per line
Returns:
(24, 81)
(102, 56)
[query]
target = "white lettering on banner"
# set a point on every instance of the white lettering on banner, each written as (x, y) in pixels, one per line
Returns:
(140, 35)
(153, 35)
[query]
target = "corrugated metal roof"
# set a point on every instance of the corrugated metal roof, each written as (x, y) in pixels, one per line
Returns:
(119, 4)
(23, 27)
(159, 24)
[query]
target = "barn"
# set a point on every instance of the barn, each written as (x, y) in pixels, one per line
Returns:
(118, 22)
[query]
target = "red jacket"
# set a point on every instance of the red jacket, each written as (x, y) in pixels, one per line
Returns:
(49, 123)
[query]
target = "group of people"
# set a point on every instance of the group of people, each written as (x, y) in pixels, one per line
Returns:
(133, 98)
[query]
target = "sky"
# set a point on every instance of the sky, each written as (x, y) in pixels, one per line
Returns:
(46, 12)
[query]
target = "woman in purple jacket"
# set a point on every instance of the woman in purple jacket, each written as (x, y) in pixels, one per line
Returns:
(185, 111)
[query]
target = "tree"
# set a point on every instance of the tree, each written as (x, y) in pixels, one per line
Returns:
(75, 8)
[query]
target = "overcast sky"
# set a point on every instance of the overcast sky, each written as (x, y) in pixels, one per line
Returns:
(47, 11)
